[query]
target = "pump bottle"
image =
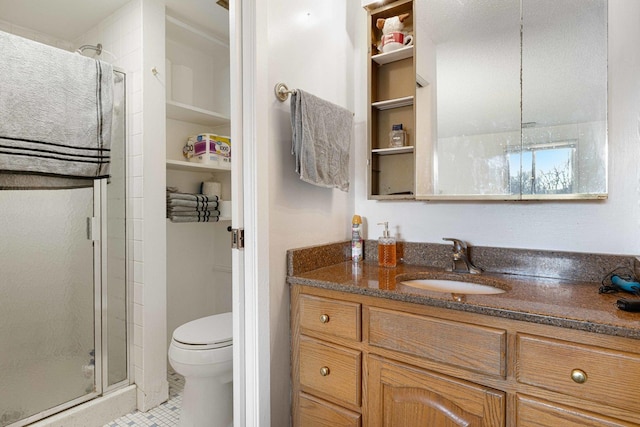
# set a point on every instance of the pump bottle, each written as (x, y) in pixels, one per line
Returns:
(386, 248)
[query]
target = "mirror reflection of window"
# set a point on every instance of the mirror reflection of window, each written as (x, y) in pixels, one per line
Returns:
(564, 94)
(543, 169)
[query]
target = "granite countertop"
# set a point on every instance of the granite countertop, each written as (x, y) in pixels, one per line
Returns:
(569, 303)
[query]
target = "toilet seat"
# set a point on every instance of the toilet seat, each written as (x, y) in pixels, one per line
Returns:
(206, 333)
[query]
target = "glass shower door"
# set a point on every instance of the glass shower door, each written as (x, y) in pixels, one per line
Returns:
(47, 303)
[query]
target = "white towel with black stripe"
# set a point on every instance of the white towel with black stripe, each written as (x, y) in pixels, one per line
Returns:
(188, 207)
(55, 116)
(194, 201)
(194, 218)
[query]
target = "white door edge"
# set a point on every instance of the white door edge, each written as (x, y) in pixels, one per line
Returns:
(251, 360)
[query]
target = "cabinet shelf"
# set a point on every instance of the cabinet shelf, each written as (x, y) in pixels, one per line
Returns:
(188, 35)
(391, 93)
(220, 219)
(392, 150)
(182, 165)
(191, 114)
(394, 55)
(393, 103)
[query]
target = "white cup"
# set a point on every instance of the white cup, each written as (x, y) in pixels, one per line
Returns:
(395, 40)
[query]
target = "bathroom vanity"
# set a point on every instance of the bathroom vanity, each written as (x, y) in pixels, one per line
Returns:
(368, 350)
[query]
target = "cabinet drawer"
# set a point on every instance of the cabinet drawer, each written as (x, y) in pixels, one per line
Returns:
(330, 371)
(609, 376)
(316, 413)
(472, 347)
(533, 412)
(337, 318)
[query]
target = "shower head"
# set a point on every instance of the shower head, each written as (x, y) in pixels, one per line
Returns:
(97, 48)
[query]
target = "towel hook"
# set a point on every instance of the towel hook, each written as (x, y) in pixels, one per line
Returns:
(282, 92)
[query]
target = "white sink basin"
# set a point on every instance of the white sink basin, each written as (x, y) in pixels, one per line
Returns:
(452, 286)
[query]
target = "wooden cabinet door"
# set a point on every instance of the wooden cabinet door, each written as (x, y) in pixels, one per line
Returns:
(401, 395)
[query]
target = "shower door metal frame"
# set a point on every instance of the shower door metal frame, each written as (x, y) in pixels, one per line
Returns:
(99, 271)
(104, 303)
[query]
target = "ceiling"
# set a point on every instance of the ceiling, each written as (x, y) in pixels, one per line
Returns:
(205, 14)
(69, 19)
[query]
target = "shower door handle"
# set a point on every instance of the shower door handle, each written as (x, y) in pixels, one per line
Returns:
(93, 229)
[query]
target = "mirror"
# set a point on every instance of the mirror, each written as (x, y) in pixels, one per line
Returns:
(511, 101)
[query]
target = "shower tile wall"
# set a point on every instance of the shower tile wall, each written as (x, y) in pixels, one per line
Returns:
(27, 33)
(122, 35)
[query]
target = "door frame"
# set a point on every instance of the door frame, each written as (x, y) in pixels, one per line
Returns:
(251, 321)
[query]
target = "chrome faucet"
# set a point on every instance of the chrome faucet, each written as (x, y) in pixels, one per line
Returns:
(460, 257)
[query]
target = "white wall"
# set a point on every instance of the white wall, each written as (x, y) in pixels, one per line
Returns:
(151, 282)
(309, 47)
(31, 34)
(611, 226)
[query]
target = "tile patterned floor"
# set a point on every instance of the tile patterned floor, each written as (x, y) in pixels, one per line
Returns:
(165, 415)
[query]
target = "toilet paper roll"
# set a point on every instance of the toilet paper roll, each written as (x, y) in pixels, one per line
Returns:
(211, 188)
(182, 84)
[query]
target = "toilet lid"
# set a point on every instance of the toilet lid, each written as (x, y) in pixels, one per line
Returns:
(211, 330)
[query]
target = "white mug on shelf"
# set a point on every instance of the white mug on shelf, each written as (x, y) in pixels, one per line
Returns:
(395, 40)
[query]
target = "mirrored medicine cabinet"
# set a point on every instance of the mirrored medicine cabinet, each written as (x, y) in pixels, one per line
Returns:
(510, 101)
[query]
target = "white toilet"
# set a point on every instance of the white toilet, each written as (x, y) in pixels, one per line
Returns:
(202, 352)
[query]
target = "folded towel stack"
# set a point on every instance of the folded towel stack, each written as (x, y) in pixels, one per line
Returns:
(185, 207)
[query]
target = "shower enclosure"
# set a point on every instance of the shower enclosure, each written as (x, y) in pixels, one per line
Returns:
(63, 290)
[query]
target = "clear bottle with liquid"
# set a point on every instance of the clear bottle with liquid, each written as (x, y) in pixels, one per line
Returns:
(386, 248)
(397, 136)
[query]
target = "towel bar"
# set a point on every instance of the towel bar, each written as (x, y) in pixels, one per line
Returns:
(282, 92)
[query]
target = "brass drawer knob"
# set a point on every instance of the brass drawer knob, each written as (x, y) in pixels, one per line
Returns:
(324, 318)
(324, 371)
(579, 376)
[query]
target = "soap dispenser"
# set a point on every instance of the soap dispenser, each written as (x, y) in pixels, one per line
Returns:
(386, 248)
